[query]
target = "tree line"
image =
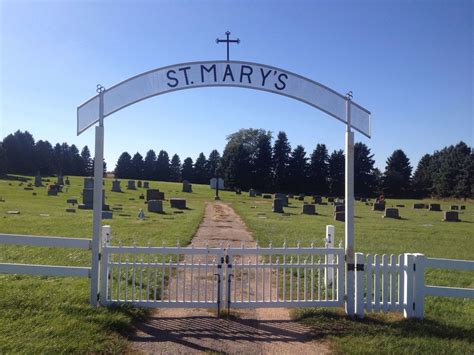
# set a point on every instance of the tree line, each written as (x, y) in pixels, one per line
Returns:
(251, 159)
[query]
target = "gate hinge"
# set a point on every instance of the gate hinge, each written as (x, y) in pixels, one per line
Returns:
(355, 267)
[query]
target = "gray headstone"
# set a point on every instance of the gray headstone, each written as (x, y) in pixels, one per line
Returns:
(139, 184)
(258, 193)
(267, 196)
(435, 207)
(187, 187)
(71, 210)
(291, 195)
(308, 209)
(451, 216)
(339, 208)
(418, 206)
(252, 193)
(107, 214)
(179, 203)
(330, 199)
(463, 207)
(131, 185)
(67, 181)
(72, 201)
(301, 197)
(60, 180)
(317, 199)
(339, 216)
(278, 204)
(88, 183)
(88, 200)
(379, 206)
(283, 197)
(116, 186)
(391, 213)
(154, 194)
(141, 197)
(146, 185)
(454, 207)
(155, 206)
(38, 181)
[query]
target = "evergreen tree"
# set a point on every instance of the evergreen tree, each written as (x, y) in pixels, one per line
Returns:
(200, 170)
(175, 168)
(76, 165)
(123, 169)
(364, 180)
(297, 170)
(213, 163)
(263, 163)
(237, 170)
(19, 149)
(281, 158)
(163, 166)
(43, 157)
(336, 173)
(3, 160)
(57, 159)
(87, 161)
(423, 178)
(187, 170)
(149, 165)
(319, 170)
(397, 176)
(137, 166)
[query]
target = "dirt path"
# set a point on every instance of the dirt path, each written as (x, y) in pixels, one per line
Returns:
(257, 331)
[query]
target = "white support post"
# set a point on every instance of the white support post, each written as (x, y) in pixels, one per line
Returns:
(329, 273)
(97, 213)
(419, 285)
(408, 287)
(359, 286)
(349, 214)
(104, 279)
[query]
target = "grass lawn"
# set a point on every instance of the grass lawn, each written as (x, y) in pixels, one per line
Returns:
(40, 314)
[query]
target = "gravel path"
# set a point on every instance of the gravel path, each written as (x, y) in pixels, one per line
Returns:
(196, 331)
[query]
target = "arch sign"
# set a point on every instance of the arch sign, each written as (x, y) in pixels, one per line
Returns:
(224, 74)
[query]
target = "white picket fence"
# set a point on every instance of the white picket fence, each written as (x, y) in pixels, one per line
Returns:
(397, 283)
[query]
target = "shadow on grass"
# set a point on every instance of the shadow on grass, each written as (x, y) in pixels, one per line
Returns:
(328, 323)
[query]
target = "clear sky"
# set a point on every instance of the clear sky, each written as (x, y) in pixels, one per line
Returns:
(409, 62)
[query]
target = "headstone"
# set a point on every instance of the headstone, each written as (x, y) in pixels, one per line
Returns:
(267, 196)
(13, 212)
(107, 214)
(88, 200)
(278, 205)
(146, 185)
(308, 209)
(141, 197)
(155, 206)
(291, 195)
(67, 181)
(454, 207)
(38, 181)
(139, 184)
(141, 215)
(434, 207)
(379, 206)
(418, 206)
(451, 216)
(53, 190)
(258, 193)
(463, 207)
(28, 188)
(213, 183)
(317, 199)
(131, 185)
(60, 180)
(251, 193)
(238, 192)
(71, 210)
(339, 208)
(116, 186)
(187, 187)
(283, 197)
(88, 183)
(400, 206)
(301, 197)
(154, 194)
(72, 201)
(330, 199)
(391, 213)
(339, 216)
(179, 203)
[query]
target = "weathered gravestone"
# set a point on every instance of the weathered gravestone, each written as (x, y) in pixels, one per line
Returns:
(291, 195)
(88, 200)
(330, 199)
(38, 181)
(187, 187)
(278, 205)
(60, 180)
(267, 196)
(141, 197)
(258, 193)
(391, 213)
(131, 185)
(107, 214)
(308, 209)
(339, 216)
(418, 206)
(283, 197)
(67, 181)
(400, 206)
(116, 186)
(155, 206)
(463, 207)
(214, 182)
(454, 207)
(434, 207)
(146, 185)
(339, 208)
(88, 183)
(301, 197)
(71, 210)
(451, 216)
(139, 184)
(252, 193)
(317, 199)
(154, 194)
(72, 201)
(53, 190)
(179, 203)
(379, 206)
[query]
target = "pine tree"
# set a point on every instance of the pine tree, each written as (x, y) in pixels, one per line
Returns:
(263, 163)
(422, 183)
(213, 163)
(43, 157)
(281, 157)
(137, 166)
(163, 166)
(76, 166)
(397, 176)
(123, 169)
(20, 152)
(336, 173)
(236, 174)
(87, 161)
(187, 170)
(175, 168)
(200, 171)
(149, 165)
(364, 180)
(318, 170)
(3, 161)
(297, 170)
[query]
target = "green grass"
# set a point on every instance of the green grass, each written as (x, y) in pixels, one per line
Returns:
(48, 315)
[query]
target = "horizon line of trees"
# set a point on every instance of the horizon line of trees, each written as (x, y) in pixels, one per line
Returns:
(250, 160)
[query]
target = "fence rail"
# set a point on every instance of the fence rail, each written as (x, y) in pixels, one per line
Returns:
(43, 241)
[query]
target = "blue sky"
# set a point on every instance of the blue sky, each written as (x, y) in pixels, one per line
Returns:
(409, 62)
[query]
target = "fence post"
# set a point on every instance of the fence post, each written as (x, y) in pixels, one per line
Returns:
(359, 285)
(408, 304)
(104, 278)
(419, 285)
(329, 272)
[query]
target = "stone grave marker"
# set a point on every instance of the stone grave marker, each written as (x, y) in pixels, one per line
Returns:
(252, 193)
(418, 206)
(154, 194)
(339, 216)
(434, 207)
(116, 186)
(379, 206)
(330, 199)
(139, 184)
(67, 181)
(267, 196)
(451, 216)
(60, 180)
(187, 187)
(13, 212)
(463, 207)
(72, 201)
(258, 193)
(238, 192)
(131, 185)
(391, 213)
(339, 208)
(155, 206)
(88, 183)
(38, 181)
(179, 203)
(283, 197)
(146, 185)
(141, 197)
(107, 214)
(278, 205)
(301, 197)
(53, 190)
(400, 206)
(317, 199)
(141, 215)
(308, 209)
(28, 188)
(71, 210)
(454, 207)
(291, 195)
(88, 200)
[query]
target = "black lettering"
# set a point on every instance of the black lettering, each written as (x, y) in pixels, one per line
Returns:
(176, 82)
(228, 72)
(247, 74)
(211, 68)
(283, 84)
(264, 76)
(185, 70)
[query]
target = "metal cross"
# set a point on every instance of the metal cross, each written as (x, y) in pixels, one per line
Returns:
(228, 41)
